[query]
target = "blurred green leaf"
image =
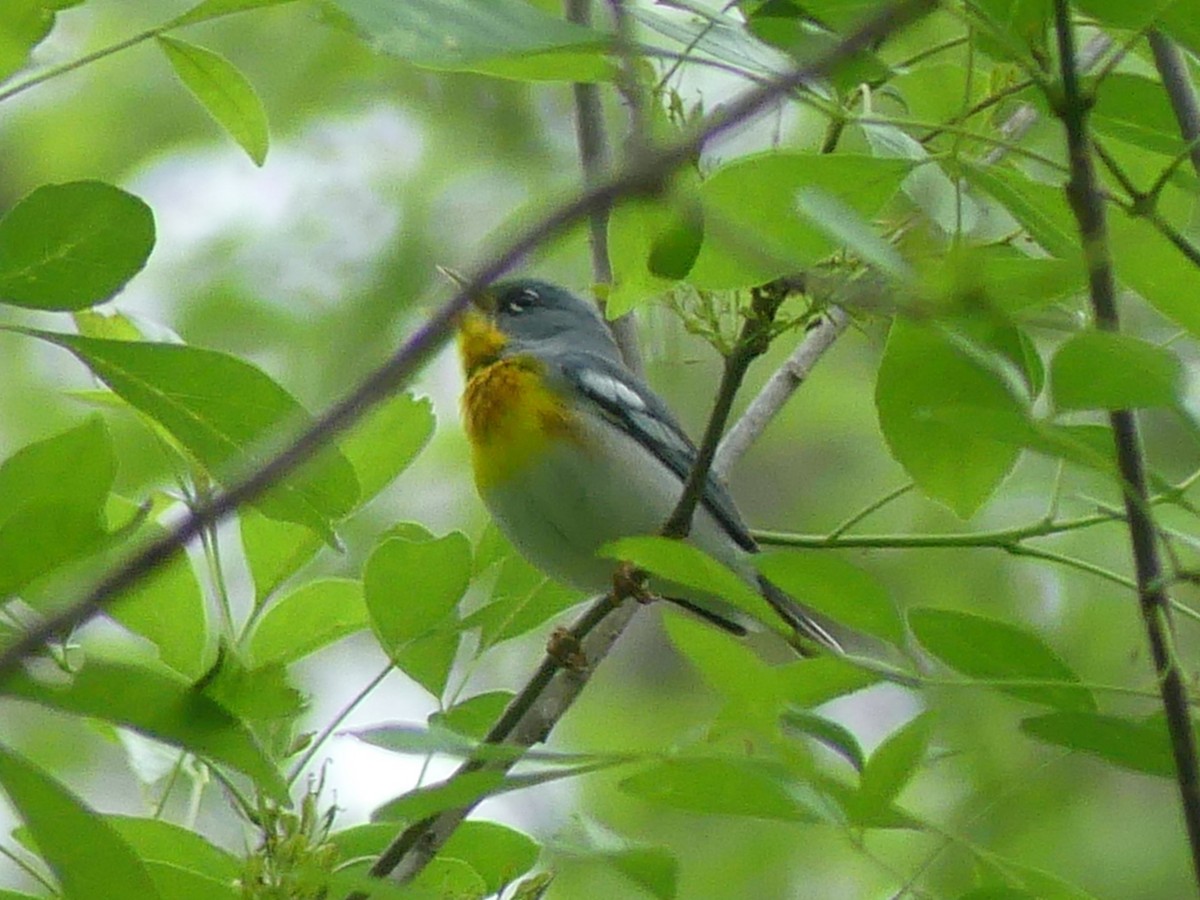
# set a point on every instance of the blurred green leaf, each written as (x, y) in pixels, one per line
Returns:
(275, 550)
(835, 588)
(1136, 110)
(895, 761)
(158, 705)
(836, 737)
(259, 694)
(805, 44)
(23, 26)
(678, 563)
(1040, 208)
(1140, 745)
(224, 93)
(181, 883)
(498, 853)
(508, 38)
(447, 876)
(156, 840)
(52, 497)
(215, 9)
(850, 230)
(222, 410)
(412, 588)
(654, 869)
(754, 230)
(86, 854)
(168, 608)
(474, 716)
(1102, 370)
(314, 615)
(719, 786)
(930, 396)
(69, 246)
(993, 651)
(386, 441)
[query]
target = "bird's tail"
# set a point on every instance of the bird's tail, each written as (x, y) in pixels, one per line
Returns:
(805, 626)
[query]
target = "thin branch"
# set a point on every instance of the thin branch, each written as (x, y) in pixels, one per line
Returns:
(594, 158)
(1173, 70)
(1087, 204)
(645, 177)
(779, 389)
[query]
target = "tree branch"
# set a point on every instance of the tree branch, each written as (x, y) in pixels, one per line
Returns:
(1173, 70)
(1087, 204)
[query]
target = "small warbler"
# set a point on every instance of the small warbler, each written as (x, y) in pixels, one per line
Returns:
(572, 450)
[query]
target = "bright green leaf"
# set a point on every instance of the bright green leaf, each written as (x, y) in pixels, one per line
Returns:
(992, 651)
(386, 441)
(807, 683)
(498, 853)
(474, 716)
(69, 246)
(222, 410)
(836, 737)
(1102, 370)
(719, 786)
(1140, 745)
(895, 761)
(223, 91)
(835, 588)
(175, 882)
(23, 26)
(654, 869)
(86, 853)
(850, 230)
(314, 615)
(275, 550)
(215, 9)
(754, 230)
(157, 705)
(930, 395)
(1040, 208)
(259, 694)
(156, 840)
(509, 38)
(423, 802)
(1136, 110)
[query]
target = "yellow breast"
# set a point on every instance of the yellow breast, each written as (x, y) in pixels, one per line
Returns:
(511, 418)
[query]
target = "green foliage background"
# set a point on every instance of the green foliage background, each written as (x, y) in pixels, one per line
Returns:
(971, 372)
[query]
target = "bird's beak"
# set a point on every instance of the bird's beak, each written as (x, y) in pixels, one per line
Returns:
(482, 300)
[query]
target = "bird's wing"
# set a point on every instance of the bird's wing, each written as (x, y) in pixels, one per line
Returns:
(628, 402)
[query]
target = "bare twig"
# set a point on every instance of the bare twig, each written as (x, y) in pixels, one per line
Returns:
(641, 176)
(594, 157)
(1087, 203)
(1173, 70)
(779, 389)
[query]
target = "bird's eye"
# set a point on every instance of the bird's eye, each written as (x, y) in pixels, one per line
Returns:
(521, 301)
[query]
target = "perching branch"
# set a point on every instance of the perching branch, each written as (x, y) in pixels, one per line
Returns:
(645, 176)
(1087, 204)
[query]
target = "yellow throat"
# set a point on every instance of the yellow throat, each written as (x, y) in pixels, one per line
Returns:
(511, 416)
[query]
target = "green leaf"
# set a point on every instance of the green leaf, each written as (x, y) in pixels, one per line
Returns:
(678, 563)
(474, 716)
(224, 93)
(87, 855)
(850, 230)
(654, 869)
(1102, 370)
(222, 410)
(996, 280)
(215, 9)
(804, 44)
(522, 599)
(508, 38)
(261, 694)
(835, 588)
(175, 882)
(1136, 110)
(833, 735)
(719, 786)
(52, 497)
(446, 876)
(412, 588)
(930, 395)
(275, 551)
(168, 609)
(156, 840)
(386, 441)
(807, 683)
(895, 761)
(423, 802)
(24, 25)
(499, 854)
(158, 705)
(1041, 209)
(754, 229)
(1140, 745)
(992, 651)
(70, 246)
(314, 615)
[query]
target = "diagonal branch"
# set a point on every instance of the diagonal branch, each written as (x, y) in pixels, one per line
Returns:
(1087, 203)
(1173, 70)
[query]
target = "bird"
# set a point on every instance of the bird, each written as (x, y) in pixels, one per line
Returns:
(571, 450)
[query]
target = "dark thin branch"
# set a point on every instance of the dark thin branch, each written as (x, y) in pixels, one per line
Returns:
(594, 157)
(1177, 82)
(645, 176)
(1087, 203)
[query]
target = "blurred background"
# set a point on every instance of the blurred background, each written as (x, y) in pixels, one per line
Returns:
(317, 264)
